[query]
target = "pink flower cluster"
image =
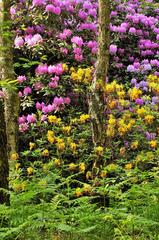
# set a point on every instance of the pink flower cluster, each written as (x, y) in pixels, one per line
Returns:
(28, 40)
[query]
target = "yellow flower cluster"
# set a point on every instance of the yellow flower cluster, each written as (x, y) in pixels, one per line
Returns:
(14, 156)
(153, 81)
(99, 151)
(87, 189)
(82, 75)
(128, 166)
(19, 187)
(73, 167)
(141, 112)
(110, 132)
(125, 125)
(45, 153)
(50, 136)
(31, 145)
(134, 93)
(65, 67)
(73, 147)
(149, 119)
(84, 117)
(153, 144)
(66, 129)
(30, 170)
(57, 162)
(114, 87)
(53, 119)
(134, 145)
(60, 144)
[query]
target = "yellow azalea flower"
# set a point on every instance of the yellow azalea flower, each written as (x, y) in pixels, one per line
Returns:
(59, 121)
(122, 130)
(14, 156)
(128, 166)
(84, 118)
(121, 94)
(17, 166)
(32, 145)
(99, 150)
(122, 151)
(149, 119)
(72, 166)
(134, 145)
(134, 93)
(65, 67)
(66, 129)
(45, 153)
(59, 140)
(88, 175)
(57, 162)
(87, 188)
(153, 144)
(78, 192)
(103, 174)
(50, 136)
(72, 69)
(132, 121)
(60, 146)
(51, 139)
(30, 170)
(73, 146)
(112, 120)
(50, 133)
(74, 76)
(82, 167)
(52, 119)
(109, 88)
(112, 104)
(141, 112)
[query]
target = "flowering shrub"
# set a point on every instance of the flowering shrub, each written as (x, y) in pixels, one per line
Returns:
(56, 54)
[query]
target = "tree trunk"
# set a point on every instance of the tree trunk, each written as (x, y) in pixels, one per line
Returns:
(96, 98)
(4, 168)
(11, 104)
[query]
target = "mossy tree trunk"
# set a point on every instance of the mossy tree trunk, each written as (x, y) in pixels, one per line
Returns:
(97, 98)
(9, 108)
(11, 104)
(4, 166)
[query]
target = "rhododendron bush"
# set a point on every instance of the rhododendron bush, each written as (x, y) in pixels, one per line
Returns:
(58, 167)
(56, 46)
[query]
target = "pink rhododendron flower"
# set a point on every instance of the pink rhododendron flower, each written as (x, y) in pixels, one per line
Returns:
(31, 118)
(18, 42)
(113, 49)
(77, 40)
(21, 79)
(27, 91)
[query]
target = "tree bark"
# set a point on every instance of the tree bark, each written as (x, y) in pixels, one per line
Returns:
(4, 166)
(11, 104)
(96, 98)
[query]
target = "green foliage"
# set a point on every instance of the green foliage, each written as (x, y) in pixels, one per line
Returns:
(44, 207)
